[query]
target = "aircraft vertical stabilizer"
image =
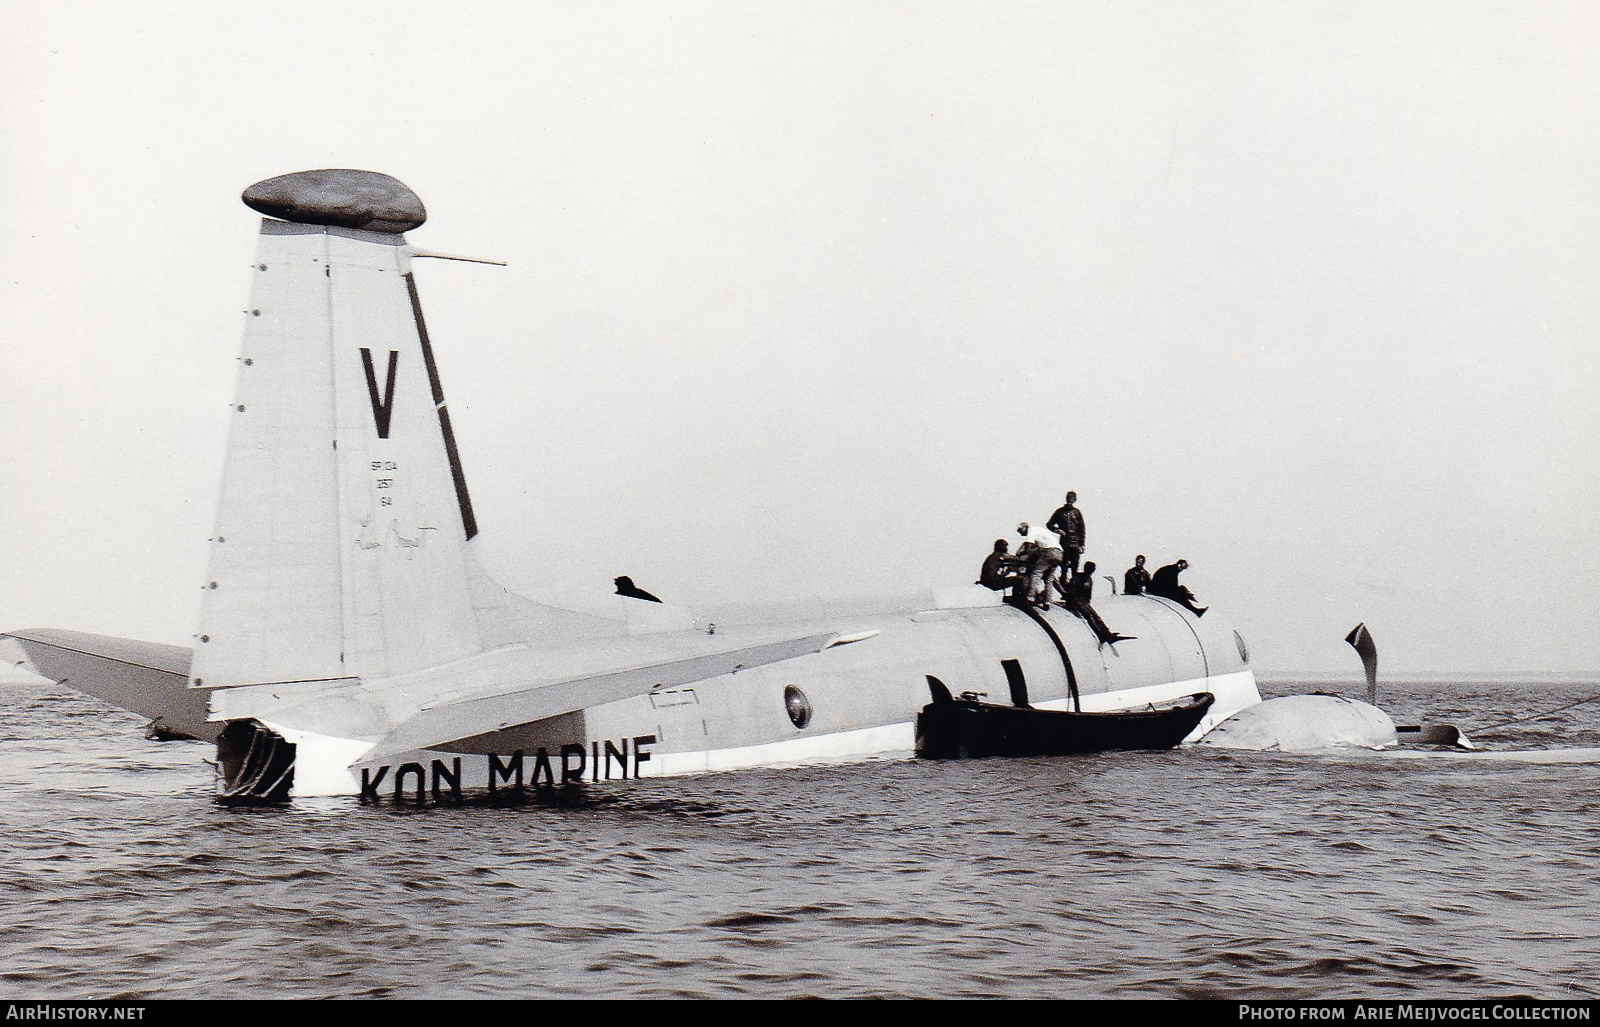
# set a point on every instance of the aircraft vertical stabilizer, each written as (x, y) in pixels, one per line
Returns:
(341, 547)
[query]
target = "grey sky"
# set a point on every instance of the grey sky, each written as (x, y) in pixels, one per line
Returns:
(821, 298)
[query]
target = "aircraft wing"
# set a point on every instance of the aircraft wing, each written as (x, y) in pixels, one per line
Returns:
(146, 678)
(442, 724)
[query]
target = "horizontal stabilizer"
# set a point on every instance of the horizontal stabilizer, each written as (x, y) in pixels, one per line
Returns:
(146, 678)
(440, 725)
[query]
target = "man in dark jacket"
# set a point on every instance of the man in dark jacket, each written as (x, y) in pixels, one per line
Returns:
(1080, 591)
(1165, 584)
(1067, 522)
(1136, 580)
(998, 570)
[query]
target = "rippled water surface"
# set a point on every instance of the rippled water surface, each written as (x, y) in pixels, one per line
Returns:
(1184, 874)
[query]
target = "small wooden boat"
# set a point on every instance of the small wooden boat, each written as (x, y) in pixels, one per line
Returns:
(951, 728)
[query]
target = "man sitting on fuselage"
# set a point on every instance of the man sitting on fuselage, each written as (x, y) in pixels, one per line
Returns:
(999, 571)
(1136, 580)
(1165, 584)
(1079, 592)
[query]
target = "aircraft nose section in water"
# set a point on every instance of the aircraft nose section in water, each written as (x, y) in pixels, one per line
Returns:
(1304, 723)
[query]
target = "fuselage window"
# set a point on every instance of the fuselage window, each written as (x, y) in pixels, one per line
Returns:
(797, 706)
(1244, 650)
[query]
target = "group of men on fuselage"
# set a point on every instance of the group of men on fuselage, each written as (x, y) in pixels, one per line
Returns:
(1138, 581)
(1042, 566)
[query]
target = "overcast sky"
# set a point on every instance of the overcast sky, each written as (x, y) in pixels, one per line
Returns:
(818, 299)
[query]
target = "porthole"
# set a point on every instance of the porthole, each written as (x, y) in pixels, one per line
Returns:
(797, 706)
(1244, 650)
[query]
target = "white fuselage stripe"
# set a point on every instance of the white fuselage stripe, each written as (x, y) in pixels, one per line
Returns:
(323, 763)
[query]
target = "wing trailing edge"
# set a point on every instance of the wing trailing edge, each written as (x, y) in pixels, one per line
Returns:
(147, 678)
(458, 721)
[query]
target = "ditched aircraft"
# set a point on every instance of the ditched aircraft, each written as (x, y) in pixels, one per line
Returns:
(351, 642)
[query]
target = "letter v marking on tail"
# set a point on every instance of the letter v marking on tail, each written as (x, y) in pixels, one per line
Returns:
(381, 409)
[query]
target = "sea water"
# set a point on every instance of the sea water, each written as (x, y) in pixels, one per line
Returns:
(1184, 874)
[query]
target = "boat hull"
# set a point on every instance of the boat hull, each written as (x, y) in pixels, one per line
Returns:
(965, 727)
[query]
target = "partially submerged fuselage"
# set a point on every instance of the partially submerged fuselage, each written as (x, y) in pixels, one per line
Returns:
(347, 616)
(861, 700)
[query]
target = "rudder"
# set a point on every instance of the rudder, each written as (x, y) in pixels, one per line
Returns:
(341, 547)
